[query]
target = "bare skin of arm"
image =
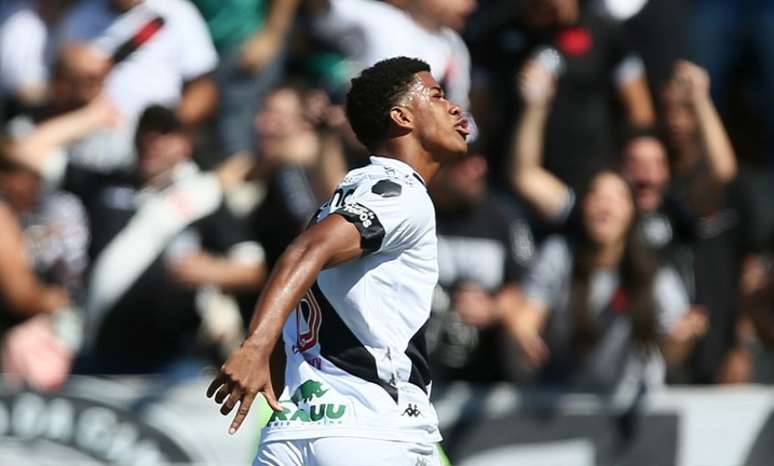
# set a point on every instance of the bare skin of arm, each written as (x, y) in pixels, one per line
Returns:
(635, 97)
(524, 326)
(200, 96)
(35, 149)
(230, 274)
(682, 337)
(20, 290)
(246, 372)
(714, 141)
(263, 46)
(540, 188)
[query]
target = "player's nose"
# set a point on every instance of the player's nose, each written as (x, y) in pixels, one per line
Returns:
(455, 109)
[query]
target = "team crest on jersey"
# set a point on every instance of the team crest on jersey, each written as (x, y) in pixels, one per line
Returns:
(308, 321)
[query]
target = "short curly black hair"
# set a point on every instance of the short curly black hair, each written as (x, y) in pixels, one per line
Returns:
(374, 92)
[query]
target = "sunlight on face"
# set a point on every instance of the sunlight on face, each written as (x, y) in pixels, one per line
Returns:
(608, 209)
(439, 124)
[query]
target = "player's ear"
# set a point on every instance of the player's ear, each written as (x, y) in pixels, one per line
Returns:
(402, 117)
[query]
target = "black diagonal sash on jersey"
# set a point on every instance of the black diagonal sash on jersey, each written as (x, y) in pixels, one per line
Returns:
(342, 348)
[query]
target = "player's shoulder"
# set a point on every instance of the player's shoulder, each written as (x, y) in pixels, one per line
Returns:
(385, 181)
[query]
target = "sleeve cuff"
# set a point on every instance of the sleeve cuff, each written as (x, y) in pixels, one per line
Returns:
(367, 224)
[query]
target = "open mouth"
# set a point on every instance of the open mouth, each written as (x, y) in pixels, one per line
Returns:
(462, 128)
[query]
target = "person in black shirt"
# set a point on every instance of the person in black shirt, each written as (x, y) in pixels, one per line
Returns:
(162, 241)
(691, 221)
(595, 65)
(482, 251)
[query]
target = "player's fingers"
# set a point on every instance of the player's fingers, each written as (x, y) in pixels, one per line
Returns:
(244, 408)
(223, 392)
(231, 401)
(271, 399)
(217, 382)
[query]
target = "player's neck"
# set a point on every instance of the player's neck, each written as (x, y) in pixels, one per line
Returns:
(421, 161)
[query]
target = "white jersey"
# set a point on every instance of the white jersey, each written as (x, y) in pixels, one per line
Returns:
(356, 359)
(369, 31)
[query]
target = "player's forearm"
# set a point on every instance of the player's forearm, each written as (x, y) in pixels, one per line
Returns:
(291, 277)
(715, 142)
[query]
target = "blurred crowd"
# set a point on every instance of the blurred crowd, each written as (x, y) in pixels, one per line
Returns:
(609, 230)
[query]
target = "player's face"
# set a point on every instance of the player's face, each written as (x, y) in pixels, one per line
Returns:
(608, 209)
(440, 125)
(645, 168)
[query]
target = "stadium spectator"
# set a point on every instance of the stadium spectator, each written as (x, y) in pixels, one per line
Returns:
(42, 244)
(705, 181)
(160, 51)
(250, 37)
(700, 237)
(481, 256)
(426, 29)
(299, 157)
(598, 306)
(593, 64)
(23, 295)
(732, 39)
(163, 244)
(25, 64)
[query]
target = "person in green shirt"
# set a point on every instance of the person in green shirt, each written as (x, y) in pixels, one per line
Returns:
(250, 38)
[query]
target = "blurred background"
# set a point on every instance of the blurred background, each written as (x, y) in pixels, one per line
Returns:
(606, 293)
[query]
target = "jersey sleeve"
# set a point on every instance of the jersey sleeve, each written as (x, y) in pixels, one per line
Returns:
(390, 216)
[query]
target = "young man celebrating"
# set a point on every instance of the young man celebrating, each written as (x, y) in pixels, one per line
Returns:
(353, 293)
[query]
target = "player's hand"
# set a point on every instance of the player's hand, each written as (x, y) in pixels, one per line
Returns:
(536, 84)
(244, 375)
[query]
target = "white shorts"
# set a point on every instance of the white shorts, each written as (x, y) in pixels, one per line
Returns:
(346, 451)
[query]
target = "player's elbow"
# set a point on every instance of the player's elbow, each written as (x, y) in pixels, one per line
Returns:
(306, 250)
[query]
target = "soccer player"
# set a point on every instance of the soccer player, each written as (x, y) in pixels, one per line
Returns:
(353, 293)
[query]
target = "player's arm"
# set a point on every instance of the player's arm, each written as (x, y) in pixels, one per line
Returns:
(331, 242)
(541, 189)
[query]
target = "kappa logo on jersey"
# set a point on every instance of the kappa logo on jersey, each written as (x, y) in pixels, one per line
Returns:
(307, 312)
(308, 390)
(412, 411)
